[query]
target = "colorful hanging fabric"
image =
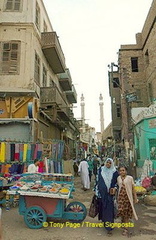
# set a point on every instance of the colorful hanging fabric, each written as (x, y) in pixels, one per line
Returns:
(32, 150)
(7, 168)
(35, 152)
(39, 151)
(2, 152)
(21, 149)
(29, 152)
(25, 152)
(17, 151)
(7, 152)
(12, 151)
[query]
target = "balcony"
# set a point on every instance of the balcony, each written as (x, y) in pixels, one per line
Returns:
(52, 97)
(65, 80)
(71, 95)
(53, 52)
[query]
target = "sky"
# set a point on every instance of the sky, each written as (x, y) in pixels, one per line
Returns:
(90, 33)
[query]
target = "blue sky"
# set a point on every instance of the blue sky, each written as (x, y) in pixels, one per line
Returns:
(90, 33)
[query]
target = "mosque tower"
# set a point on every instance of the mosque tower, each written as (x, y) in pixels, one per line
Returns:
(101, 113)
(83, 112)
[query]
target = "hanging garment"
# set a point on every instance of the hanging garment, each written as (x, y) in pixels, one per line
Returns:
(16, 157)
(21, 149)
(32, 151)
(51, 170)
(35, 152)
(7, 168)
(12, 151)
(25, 152)
(2, 152)
(29, 152)
(7, 153)
(39, 151)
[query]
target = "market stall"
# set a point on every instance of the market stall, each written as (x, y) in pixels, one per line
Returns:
(45, 195)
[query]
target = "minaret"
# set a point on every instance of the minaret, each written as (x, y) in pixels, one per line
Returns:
(101, 112)
(83, 112)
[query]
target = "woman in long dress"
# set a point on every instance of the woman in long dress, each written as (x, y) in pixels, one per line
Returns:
(126, 198)
(105, 190)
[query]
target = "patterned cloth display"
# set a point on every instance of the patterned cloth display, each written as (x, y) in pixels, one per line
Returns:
(22, 152)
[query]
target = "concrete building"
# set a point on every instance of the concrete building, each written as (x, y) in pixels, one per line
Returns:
(36, 89)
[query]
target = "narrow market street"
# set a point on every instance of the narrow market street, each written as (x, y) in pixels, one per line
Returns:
(14, 227)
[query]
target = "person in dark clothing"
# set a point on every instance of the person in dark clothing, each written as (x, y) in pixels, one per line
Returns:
(95, 166)
(105, 190)
(75, 167)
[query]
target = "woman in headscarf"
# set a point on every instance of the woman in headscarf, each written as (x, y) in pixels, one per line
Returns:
(105, 190)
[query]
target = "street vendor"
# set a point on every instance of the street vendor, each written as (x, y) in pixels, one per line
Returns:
(33, 168)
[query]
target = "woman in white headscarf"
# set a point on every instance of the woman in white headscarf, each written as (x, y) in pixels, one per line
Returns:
(105, 190)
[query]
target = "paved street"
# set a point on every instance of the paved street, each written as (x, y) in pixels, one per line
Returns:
(14, 227)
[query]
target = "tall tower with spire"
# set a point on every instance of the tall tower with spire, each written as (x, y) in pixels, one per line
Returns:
(101, 113)
(83, 111)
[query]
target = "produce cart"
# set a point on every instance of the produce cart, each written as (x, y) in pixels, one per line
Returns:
(45, 196)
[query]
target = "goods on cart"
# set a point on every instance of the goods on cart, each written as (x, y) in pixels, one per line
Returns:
(146, 182)
(43, 198)
(64, 191)
(53, 190)
(140, 189)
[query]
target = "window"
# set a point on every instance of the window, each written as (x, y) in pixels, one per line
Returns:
(37, 16)
(147, 57)
(37, 68)
(13, 5)
(134, 64)
(44, 80)
(116, 83)
(45, 27)
(138, 94)
(10, 58)
(118, 110)
(51, 84)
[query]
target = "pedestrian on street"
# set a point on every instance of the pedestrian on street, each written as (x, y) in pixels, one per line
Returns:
(96, 164)
(84, 173)
(76, 168)
(105, 190)
(90, 164)
(126, 198)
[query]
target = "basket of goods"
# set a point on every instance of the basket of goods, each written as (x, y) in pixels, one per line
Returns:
(56, 185)
(34, 189)
(14, 188)
(53, 190)
(19, 184)
(64, 191)
(24, 188)
(67, 186)
(43, 189)
(140, 190)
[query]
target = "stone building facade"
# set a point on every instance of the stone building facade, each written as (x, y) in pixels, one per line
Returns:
(137, 77)
(36, 89)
